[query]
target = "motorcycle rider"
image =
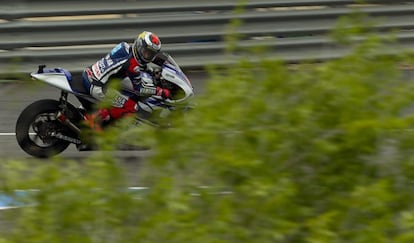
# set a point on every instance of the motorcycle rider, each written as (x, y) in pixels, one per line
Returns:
(125, 61)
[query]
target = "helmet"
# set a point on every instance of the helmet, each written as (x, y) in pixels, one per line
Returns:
(146, 47)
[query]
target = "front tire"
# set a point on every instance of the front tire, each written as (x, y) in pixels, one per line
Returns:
(34, 127)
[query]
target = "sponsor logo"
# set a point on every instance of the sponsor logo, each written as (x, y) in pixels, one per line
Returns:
(102, 66)
(147, 90)
(109, 61)
(116, 48)
(96, 71)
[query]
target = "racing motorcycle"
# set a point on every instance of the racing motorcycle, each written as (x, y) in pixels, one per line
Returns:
(47, 127)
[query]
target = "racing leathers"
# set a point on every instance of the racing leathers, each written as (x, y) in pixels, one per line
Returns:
(121, 65)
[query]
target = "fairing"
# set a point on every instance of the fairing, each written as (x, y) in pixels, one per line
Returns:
(173, 73)
(58, 78)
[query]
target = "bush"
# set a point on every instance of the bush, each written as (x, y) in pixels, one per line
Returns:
(322, 153)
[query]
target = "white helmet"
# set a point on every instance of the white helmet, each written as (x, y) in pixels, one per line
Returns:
(146, 47)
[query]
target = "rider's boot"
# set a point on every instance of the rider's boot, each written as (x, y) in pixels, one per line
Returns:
(96, 120)
(93, 124)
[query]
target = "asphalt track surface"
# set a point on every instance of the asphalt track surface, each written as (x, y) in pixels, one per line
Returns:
(15, 96)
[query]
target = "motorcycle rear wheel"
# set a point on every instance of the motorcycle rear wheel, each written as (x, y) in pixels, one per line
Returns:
(34, 127)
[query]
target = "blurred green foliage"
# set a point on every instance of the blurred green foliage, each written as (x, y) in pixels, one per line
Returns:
(323, 153)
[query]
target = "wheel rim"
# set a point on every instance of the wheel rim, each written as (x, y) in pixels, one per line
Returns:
(41, 130)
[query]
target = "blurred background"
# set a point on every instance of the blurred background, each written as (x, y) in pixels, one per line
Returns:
(295, 150)
(73, 34)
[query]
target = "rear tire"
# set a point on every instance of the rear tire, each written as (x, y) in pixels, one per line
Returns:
(34, 127)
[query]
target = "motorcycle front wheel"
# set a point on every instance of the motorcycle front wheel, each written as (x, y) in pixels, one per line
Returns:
(35, 128)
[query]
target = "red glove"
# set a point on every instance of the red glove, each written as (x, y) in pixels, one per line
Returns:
(164, 93)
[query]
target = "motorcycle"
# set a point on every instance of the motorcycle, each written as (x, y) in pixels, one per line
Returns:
(47, 127)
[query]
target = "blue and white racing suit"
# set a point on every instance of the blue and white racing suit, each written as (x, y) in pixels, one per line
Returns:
(120, 64)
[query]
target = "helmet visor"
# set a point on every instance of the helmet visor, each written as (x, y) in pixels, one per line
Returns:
(148, 54)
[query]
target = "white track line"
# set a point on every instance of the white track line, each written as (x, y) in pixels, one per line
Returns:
(12, 134)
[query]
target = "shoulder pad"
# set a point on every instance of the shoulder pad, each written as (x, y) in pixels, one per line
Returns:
(120, 50)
